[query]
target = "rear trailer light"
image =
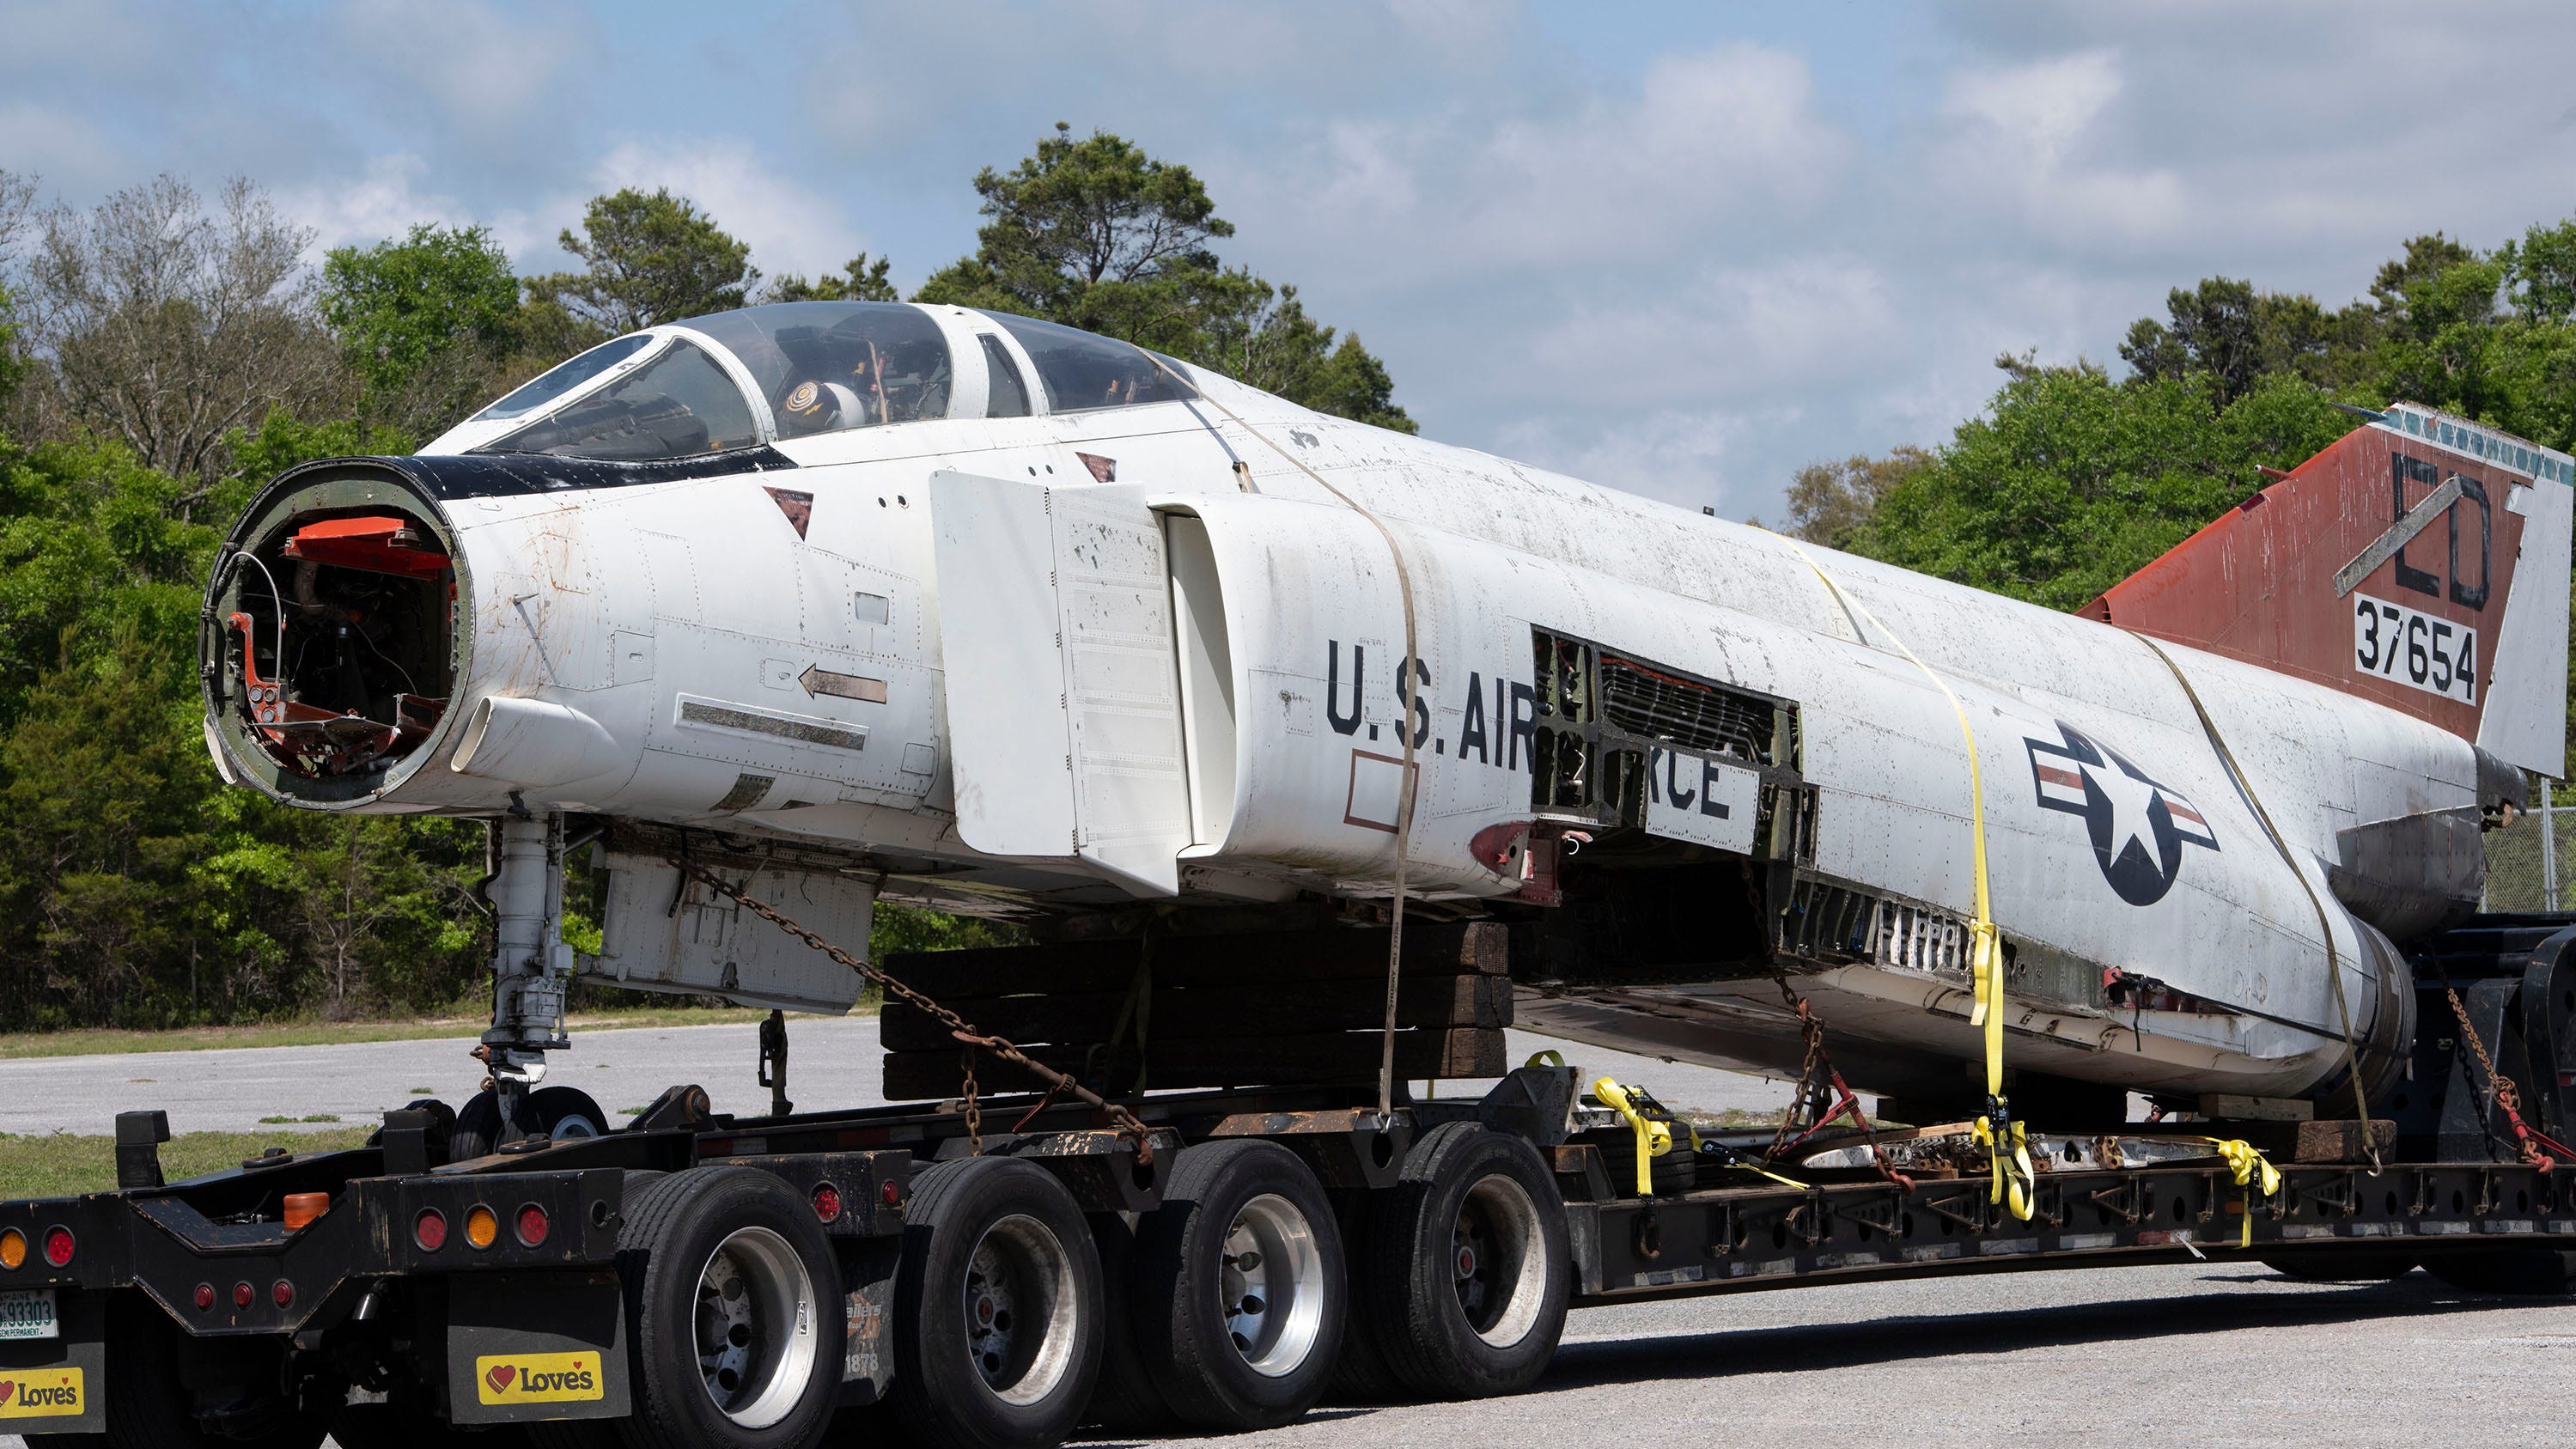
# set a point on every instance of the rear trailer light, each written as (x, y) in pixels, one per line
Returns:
(58, 1247)
(532, 1226)
(243, 1297)
(304, 1207)
(481, 1227)
(13, 1248)
(205, 1297)
(827, 1202)
(282, 1293)
(429, 1230)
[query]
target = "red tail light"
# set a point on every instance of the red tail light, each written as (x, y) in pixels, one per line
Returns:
(827, 1202)
(429, 1230)
(205, 1297)
(242, 1296)
(58, 1247)
(282, 1292)
(532, 1225)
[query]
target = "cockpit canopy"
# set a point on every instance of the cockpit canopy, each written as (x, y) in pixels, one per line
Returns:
(798, 369)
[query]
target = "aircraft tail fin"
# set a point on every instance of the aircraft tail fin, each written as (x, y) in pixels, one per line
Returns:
(2420, 562)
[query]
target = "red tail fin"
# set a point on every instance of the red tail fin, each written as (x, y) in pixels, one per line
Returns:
(2421, 561)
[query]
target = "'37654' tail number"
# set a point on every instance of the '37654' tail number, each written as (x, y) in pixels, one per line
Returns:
(2415, 649)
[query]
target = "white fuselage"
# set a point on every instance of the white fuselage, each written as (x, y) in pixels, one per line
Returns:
(1218, 712)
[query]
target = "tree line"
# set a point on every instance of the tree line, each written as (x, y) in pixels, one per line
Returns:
(2071, 479)
(164, 353)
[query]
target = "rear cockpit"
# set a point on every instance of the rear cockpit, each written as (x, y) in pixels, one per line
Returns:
(791, 370)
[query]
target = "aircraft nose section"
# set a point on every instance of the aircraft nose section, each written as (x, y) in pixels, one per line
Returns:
(327, 644)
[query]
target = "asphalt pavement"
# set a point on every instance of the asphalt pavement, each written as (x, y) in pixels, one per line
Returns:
(832, 1062)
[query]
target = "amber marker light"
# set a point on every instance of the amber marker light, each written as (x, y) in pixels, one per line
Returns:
(304, 1207)
(13, 1249)
(481, 1227)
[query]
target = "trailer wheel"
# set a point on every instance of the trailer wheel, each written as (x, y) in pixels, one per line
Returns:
(1468, 1269)
(150, 1407)
(997, 1307)
(562, 1113)
(2362, 1265)
(733, 1298)
(2515, 1272)
(1239, 1283)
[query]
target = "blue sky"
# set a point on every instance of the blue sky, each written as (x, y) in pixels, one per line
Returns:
(1678, 248)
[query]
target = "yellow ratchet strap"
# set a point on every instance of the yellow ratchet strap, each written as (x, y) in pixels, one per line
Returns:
(2016, 1184)
(2251, 1170)
(1654, 1139)
(1548, 1058)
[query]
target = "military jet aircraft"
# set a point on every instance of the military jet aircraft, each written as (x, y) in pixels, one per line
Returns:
(928, 604)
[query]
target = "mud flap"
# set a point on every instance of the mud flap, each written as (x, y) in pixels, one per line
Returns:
(524, 1347)
(867, 1293)
(57, 1385)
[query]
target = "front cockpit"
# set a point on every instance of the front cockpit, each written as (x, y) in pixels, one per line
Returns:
(792, 370)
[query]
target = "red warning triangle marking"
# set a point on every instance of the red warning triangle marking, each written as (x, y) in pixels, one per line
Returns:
(799, 507)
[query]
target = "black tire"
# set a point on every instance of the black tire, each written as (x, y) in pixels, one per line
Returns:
(740, 1240)
(149, 1406)
(2349, 1265)
(1468, 1269)
(1240, 1287)
(562, 1113)
(1676, 1171)
(2512, 1272)
(1004, 1242)
(1124, 1399)
(1361, 1374)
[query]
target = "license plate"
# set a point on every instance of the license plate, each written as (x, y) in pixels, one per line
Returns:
(28, 1313)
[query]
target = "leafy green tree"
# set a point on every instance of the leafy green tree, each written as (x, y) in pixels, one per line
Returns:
(1830, 503)
(2072, 481)
(2225, 330)
(647, 260)
(1094, 233)
(400, 305)
(861, 279)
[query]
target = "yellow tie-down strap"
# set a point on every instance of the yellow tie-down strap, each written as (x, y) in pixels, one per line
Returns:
(1654, 1134)
(2014, 1179)
(2252, 1170)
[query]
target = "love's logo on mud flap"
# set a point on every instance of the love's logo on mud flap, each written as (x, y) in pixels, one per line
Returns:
(540, 1378)
(42, 1393)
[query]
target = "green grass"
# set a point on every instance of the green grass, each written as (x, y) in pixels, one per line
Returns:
(60, 1166)
(336, 1033)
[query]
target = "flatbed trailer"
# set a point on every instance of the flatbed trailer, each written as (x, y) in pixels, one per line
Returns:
(1002, 1270)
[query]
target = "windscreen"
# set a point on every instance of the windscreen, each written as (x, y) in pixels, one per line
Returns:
(1082, 371)
(826, 366)
(679, 405)
(562, 378)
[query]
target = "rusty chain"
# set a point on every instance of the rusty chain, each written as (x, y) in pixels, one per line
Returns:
(1119, 1117)
(1822, 1093)
(974, 1108)
(2498, 1085)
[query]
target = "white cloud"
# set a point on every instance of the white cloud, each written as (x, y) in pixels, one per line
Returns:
(2025, 138)
(1713, 143)
(790, 225)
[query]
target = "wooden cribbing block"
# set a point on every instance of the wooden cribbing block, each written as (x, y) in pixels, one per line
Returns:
(1299, 1058)
(1353, 953)
(1208, 1011)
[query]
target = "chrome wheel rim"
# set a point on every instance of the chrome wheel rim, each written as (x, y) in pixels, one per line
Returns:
(755, 1320)
(1498, 1260)
(1019, 1306)
(1270, 1285)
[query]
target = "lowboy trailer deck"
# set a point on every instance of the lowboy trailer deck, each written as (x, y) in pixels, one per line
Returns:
(1001, 1270)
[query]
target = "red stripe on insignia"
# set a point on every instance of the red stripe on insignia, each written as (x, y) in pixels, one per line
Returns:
(2180, 811)
(2051, 775)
